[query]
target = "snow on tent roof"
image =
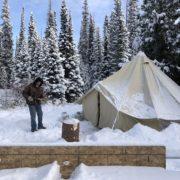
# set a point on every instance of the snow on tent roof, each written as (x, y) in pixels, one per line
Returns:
(142, 90)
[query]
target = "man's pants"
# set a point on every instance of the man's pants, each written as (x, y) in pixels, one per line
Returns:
(33, 109)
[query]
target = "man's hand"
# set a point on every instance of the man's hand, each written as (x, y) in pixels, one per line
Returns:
(44, 100)
(30, 98)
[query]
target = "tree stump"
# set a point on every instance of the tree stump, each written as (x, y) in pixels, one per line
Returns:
(70, 130)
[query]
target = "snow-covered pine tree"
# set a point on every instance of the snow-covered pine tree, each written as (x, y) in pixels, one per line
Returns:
(39, 57)
(33, 43)
(3, 77)
(0, 44)
(43, 60)
(173, 15)
(54, 75)
(55, 23)
(91, 37)
(157, 25)
(51, 21)
(154, 29)
(21, 65)
(70, 35)
(83, 45)
(105, 72)
(75, 83)
(16, 49)
(53, 72)
(132, 24)
(119, 38)
(96, 67)
(71, 58)
(173, 38)
(7, 42)
(64, 44)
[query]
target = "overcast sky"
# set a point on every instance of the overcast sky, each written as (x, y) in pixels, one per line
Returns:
(98, 8)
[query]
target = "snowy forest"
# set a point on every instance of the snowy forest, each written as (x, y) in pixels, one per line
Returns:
(69, 69)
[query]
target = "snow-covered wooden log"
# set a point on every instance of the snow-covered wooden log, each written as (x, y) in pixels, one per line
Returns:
(70, 130)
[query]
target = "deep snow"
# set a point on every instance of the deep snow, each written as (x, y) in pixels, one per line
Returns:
(84, 172)
(47, 172)
(15, 130)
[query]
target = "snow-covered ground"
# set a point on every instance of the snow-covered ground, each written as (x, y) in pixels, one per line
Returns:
(122, 173)
(83, 172)
(15, 130)
(47, 172)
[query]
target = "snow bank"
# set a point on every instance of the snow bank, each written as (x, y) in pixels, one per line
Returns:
(71, 121)
(139, 135)
(15, 131)
(173, 164)
(47, 172)
(124, 173)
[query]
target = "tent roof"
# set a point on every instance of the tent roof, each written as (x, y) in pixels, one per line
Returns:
(142, 90)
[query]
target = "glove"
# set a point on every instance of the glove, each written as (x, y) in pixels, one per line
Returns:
(30, 98)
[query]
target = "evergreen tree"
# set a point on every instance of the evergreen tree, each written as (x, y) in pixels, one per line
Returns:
(172, 34)
(132, 25)
(55, 23)
(3, 77)
(96, 67)
(173, 38)
(51, 21)
(71, 58)
(16, 49)
(33, 43)
(70, 36)
(0, 45)
(119, 40)
(91, 37)
(39, 56)
(54, 75)
(75, 83)
(90, 58)
(160, 34)
(64, 44)
(105, 72)
(7, 42)
(83, 45)
(153, 29)
(21, 67)
(44, 58)
(53, 69)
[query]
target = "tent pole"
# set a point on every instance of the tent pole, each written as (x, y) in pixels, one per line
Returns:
(115, 121)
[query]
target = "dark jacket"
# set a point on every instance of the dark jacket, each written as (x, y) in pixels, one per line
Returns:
(34, 92)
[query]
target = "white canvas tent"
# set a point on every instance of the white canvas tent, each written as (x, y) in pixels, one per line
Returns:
(139, 92)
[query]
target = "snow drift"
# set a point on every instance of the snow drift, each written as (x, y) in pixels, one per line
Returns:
(84, 172)
(47, 172)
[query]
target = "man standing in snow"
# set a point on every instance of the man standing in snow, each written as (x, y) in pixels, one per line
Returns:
(33, 94)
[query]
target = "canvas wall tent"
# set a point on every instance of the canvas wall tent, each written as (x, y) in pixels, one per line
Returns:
(139, 92)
